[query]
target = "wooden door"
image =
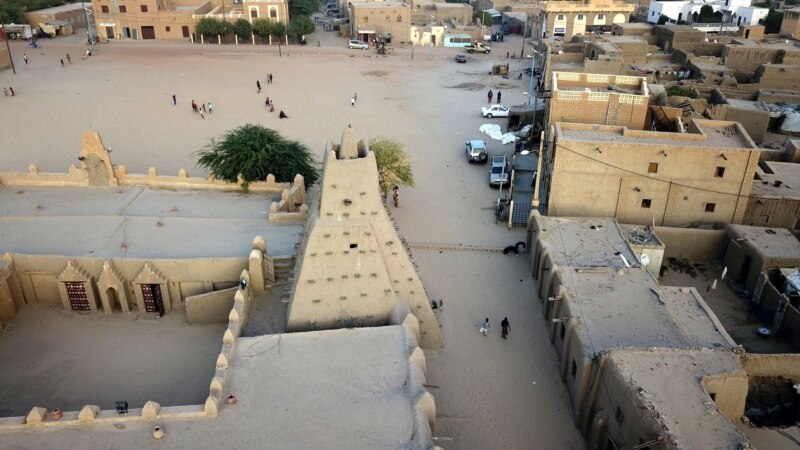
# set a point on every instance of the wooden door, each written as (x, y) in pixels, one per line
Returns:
(148, 32)
(78, 300)
(152, 298)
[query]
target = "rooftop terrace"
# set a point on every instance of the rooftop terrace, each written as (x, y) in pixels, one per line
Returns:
(788, 174)
(152, 223)
(705, 134)
(623, 307)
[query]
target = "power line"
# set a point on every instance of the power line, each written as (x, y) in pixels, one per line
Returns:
(588, 332)
(674, 183)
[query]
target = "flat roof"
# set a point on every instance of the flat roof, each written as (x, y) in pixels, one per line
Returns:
(58, 9)
(667, 385)
(620, 306)
(634, 25)
(378, 5)
(152, 223)
(717, 135)
(318, 389)
(774, 243)
(787, 173)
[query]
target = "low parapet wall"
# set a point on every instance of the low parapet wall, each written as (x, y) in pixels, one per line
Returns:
(76, 177)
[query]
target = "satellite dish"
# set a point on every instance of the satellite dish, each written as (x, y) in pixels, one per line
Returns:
(644, 259)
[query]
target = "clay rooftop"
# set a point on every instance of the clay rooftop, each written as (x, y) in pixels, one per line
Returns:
(788, 174)
(380, 5)
(620, 307)
(151, 223)
(774, 243)
(666, 384)
(708, 134)
(321, 390)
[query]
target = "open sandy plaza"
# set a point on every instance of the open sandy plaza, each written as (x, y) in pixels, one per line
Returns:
(489, 393)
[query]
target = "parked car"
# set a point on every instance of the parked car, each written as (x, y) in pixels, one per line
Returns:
(478, 48)
(494, 111)
(355, 43)
(476, 151)
(461, 58)
(500, 171)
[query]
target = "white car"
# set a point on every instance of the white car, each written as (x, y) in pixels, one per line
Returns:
(355, 43)
(494, 111)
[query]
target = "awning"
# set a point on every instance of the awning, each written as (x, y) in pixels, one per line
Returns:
(366, 31)
(493, 12)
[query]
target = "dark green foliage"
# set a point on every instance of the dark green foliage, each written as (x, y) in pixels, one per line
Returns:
(255, 152)
(706, 14)
(11, 13)
(243, 29)
(303, 7)
(681, 91)
(208, 27)
(300, 26)
(278, 29)
(772, 23)
(662, 19)
(262, 28)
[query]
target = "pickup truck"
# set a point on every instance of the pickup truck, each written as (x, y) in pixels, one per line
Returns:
(478, 48)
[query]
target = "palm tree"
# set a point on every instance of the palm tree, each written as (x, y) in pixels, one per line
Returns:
(254, 152)
(394, 165)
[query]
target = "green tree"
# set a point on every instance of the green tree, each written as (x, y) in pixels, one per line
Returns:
(394, 165)
(303, 7)
(484, 17)
(254, 152)
(11, 13)
(706, 14)
(300, 26)
(208, 27)
(278, 30)
(243, 29)
(772, 23)
(262, 28)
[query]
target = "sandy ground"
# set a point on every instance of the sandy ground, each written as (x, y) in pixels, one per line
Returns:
(65, 361)
(486, 396)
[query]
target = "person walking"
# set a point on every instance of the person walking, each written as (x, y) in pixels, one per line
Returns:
(270, 78)
(203, 107)
(202, 114)
(499, 95)
(62, 62)
(10, 89)
(485, 327)
(396, 196)
(258, 85)
(489, 96)
(210, 108)
(5, 91)
(506, 327)
(266, 102)
(174, 100)
(69, 60)
(353, 101)
(25, 57)
(194, 106)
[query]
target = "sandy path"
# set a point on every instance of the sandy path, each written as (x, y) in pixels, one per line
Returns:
(430, 105)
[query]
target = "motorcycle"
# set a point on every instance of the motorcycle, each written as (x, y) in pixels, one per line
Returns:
(34, 44)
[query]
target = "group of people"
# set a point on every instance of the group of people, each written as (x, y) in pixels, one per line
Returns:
(202, 109)
(505, 327)
(490, 95)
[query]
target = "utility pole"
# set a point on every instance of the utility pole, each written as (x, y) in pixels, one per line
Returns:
(10, 58)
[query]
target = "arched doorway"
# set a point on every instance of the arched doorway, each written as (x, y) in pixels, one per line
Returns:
(113, 300)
